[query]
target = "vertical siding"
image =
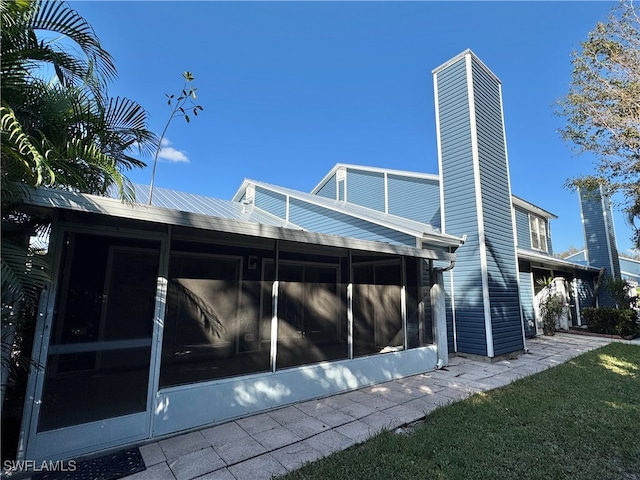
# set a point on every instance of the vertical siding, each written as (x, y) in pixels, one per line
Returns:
(328, 190)
(414, 198)
(366, 189)
(318, 219)
(272, 202)
(496, 207)
(459, 195)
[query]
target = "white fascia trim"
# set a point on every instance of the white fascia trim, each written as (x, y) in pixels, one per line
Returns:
(238, 195)
(479, 211)
(439, 146)
(386, 193)
(520, 202)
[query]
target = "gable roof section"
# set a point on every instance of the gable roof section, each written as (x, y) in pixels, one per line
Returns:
(422, 231)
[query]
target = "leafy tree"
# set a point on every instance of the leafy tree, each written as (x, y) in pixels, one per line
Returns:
(69, 134)
(64, 134)
(602, 107)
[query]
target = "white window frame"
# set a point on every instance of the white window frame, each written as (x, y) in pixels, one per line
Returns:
(538, 229)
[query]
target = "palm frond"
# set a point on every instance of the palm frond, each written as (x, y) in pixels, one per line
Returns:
(59, 17)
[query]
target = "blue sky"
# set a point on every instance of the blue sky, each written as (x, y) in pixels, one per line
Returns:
(289, 89)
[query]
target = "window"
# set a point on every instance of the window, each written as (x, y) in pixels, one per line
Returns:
(538, 227)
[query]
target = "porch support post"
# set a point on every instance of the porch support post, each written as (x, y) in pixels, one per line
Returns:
(438, 308)
(274, 304)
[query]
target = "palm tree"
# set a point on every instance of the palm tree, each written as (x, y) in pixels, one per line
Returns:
(78, 138)
(64, 134)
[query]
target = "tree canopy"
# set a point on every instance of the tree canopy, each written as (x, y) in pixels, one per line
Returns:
(602, 107)
(65, 133)
(60, 129)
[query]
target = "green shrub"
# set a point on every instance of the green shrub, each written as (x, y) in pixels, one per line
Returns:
(551, 309)
(612, 321)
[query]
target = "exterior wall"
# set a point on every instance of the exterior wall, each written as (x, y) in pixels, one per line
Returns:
(272, 202)
(460, 216)
(476, 201)
(366, 189)
(600, 242)
(584, 290)
(414, 198)
(523, 230)
(496, 205)
(630, 269)
(328, 190)
(527, 296)
(319, 219)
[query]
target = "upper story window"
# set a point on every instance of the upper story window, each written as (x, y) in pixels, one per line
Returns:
(538, 227)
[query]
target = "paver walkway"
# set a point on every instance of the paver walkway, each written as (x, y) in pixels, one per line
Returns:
(273, 443)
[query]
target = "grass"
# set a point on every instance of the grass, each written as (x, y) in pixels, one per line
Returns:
(580, 420)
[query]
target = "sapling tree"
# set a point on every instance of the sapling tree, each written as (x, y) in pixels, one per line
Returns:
(180, 107)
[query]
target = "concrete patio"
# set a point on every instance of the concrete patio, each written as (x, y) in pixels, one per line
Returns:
(273, 443)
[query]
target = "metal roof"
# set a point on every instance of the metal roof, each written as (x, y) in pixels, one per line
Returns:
(215, 207)
(47, 198)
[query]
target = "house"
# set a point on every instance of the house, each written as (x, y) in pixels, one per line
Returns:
(194, 311)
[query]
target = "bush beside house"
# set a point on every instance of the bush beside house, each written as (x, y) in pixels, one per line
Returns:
(612, 321)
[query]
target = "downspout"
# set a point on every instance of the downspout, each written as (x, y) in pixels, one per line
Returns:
(439, 309)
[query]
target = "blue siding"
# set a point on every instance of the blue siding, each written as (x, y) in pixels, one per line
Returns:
(366, 189)
(612, 238)
(523, 230)
(598, 228)
(272, 202)
(318, 219)
(526, 300)
(328, 190)
(414, 198)
(460, 205)
(584, 287)
(496, 205)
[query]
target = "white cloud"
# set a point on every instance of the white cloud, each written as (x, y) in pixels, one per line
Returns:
(171, 154)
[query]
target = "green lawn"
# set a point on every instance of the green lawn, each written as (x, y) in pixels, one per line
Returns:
(580, 420)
